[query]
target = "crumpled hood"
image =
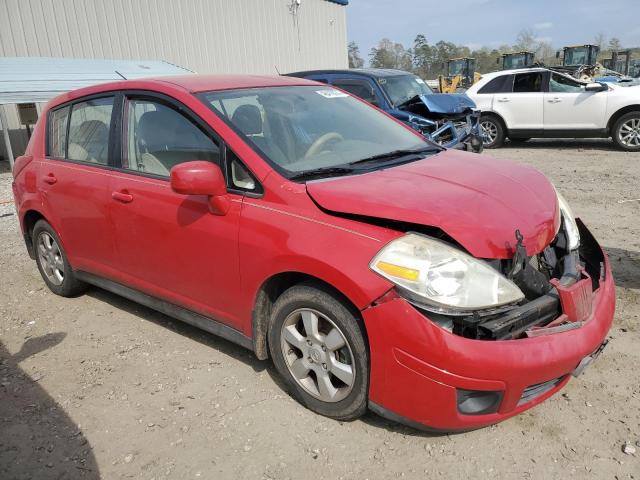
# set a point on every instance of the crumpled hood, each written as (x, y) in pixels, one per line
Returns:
(477, 200)
(447, 102)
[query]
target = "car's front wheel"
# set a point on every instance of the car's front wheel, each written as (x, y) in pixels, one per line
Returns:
(318, 347)
(52, 261)
(492, 131)
(626, 132)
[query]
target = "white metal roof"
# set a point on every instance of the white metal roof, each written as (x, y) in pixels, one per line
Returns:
(38, 79)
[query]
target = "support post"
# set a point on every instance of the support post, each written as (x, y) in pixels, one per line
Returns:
(4, 124)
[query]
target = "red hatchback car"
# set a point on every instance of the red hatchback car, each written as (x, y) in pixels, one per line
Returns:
(439, 288)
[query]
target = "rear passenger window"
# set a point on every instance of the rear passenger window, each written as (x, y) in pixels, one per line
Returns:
(527, 82)
(58, 120)
(89, 131)
(158, 138)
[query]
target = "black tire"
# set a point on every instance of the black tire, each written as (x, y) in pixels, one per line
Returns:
(310, 297)
(627, 124)
(69, 285)
(497, 131)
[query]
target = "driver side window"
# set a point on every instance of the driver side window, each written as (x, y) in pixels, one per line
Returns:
(359, 88)
(159, 137)
(562, 84)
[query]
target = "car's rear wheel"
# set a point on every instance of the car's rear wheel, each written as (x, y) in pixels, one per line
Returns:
(52, 261)
(492, 131)
(318, 347)
(626, 132)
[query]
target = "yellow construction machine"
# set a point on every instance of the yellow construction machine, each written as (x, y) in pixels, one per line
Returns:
(461, 74)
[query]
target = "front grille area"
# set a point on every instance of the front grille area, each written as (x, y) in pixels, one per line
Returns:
(534, 391)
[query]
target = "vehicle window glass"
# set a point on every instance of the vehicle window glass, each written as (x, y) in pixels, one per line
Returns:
(159, 137)
(58, 120)
(496, 85)
(89, 131)
(359, 88)
(402, 88)
(241, 178)
(560, 83)
(527, 82)
(301, 128)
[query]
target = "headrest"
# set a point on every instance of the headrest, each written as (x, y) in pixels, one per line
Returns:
(247, 119)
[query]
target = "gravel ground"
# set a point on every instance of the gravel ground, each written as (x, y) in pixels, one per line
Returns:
(99, 387)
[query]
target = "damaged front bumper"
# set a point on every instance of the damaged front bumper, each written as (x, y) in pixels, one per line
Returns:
(460, 134)
(428, 377)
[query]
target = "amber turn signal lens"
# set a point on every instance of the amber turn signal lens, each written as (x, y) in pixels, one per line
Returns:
(398, 271)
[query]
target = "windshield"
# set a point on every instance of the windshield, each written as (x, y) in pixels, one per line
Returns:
(305, 128)
(404, 87)
(577, 56)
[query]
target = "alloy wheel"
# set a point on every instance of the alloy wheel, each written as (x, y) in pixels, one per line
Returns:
(318, 355)
(629, 133)
(489, 132)
(51, 258)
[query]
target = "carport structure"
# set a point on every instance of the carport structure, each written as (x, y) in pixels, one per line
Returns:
(33, 80)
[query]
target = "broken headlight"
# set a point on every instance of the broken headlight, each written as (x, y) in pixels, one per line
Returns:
(442, 278)
(569, 222)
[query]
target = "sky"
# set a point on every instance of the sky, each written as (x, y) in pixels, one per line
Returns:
(492, 22)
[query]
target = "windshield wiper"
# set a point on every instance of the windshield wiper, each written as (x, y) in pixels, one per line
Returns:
(321, 172)
(394, 155)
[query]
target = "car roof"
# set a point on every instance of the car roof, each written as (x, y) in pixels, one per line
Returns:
(367, 72)
(193, 83)
(515, 70)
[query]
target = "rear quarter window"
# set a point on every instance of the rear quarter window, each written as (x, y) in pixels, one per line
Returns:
(57, 132)
(501, 84)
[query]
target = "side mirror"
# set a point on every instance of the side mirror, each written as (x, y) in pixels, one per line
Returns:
(202, 178)
(596, 87)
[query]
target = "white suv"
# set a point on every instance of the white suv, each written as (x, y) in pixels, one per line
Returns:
(537, 102)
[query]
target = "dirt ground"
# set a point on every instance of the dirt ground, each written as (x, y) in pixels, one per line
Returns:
(99, 387)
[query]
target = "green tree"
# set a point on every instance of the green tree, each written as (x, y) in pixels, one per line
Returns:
(353, 51)
(390, 55)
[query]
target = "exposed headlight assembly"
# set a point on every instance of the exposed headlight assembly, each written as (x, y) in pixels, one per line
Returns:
(569, 222)
(442, 278)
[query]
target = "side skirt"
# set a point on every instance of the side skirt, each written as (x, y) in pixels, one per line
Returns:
(200, 321)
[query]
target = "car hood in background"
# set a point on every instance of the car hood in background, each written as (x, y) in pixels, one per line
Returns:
(476, 200)
(447, 102)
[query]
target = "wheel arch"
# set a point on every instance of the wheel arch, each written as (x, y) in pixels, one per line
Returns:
(275, 286)
(619, 113)
(29, 219)
(497, 116)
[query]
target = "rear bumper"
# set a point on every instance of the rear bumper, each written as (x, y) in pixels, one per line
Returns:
(417, 368)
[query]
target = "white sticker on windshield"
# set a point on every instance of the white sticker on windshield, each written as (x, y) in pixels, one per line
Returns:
(332, 93)
(419, 80)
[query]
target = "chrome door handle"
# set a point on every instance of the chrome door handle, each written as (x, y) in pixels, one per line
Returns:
(554, 100)
(50, 179)
(503, 100)
(124, 197)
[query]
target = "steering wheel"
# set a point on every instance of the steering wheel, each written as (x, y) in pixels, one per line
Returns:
(316, 147)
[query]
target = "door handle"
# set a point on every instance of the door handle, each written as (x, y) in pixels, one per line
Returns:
(503, 100)
(124, 196)
(50, 179)
(554, 100)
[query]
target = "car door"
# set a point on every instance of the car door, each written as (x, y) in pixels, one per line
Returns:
(170, 245)
(520, 105)
(568, 106)
(74, 178)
